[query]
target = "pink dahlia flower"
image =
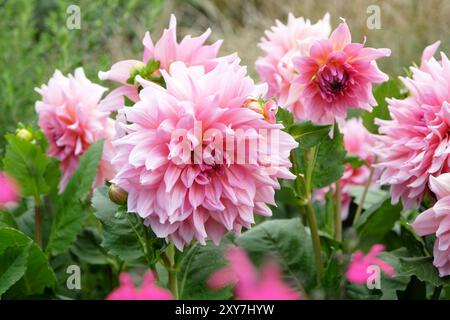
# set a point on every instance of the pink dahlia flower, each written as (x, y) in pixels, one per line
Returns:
(281, 44)
(190, 161)
(191, 50)
(436, 220)
(148, 290)
(70, 117)
(9, 192)
(359, 142)
(338, 75)
(359, 269)
(249, 285)
(414, 144)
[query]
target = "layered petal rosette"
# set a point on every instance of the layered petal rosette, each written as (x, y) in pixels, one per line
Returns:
(436, 220)
(280, 44)
(70, 118)
(338, 75)
(414, 144)
(157, 57)
(195, 161)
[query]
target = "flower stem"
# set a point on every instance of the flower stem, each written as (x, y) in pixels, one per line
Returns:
(337, 214)
(37, 221)
(172, 271)
(364, 194)
(311, 155)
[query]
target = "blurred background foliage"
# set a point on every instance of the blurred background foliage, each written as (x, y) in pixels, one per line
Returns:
(34, 39)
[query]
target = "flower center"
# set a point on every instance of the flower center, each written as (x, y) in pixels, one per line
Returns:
(333, 82)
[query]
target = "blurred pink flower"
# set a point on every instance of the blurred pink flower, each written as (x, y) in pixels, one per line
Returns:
(176, 165)
(148, 290)
(414, 144)
(281, 44)
(358, 270)
(9, 191)
(191, 50)
(249, 285)
(436, 220)
(357, 141)
(338, 75)
(70, 117)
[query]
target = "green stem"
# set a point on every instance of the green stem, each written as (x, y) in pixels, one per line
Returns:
(337, 214)
(364, 194)
(172, 271)
(37, 221)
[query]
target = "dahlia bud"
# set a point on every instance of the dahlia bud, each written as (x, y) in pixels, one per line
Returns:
(24, 134)
(117, 195)
(268, 108)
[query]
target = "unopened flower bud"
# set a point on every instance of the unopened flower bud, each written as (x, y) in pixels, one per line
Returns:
(117, 195)
(268, 108)
(24, 134)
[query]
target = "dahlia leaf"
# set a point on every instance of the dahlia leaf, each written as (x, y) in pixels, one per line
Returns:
(13, 264)
(285, 117)
(38, 274)
(308, 134)
(423, 269)
(373, 196)
(70, 214)
(289, 241)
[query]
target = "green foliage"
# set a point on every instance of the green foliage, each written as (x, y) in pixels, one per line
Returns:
(290, 243)
(423, 269)
(24, 269)
(70, 215)
(308, 134)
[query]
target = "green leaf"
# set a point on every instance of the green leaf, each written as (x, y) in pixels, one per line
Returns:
(423, 269)
(125, 235)
(87, 248)
(285, 117)
(329, 162)
(354, 161)
(199, 263)
(290, 242)
(70, 215)
(27, 163)
(391, 285)
(388, 89)
(377, 221)
(373, 196)
(308, 134)
(7, 220)
(13, 264)
(38, 274)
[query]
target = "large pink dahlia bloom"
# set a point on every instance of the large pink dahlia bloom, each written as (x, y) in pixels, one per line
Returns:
(70, 117)
(338, 75)
(415, 143)
(148, 290)
(191, 50)
(177, 161)
(281, 44)
(436, 220)
(249, 284)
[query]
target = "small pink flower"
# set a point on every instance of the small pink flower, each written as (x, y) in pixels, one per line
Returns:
(9, 192)
(148, 290)
(436, 220)
(357, 141)
(249, 285)
(71, 120)
(414, 145)
(191, 50)
(281, 44)
(358, 270)
(338, 75)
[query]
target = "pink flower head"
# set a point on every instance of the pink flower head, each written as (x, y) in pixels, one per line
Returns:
(148, 290)
(414, 144)
(281, 44)
(70, 117)
(249, 285)
(9, 191)
(359, 142)
(436, 220)
(268, 108)
(359, 268)
(191, 50)
(338, 75)
(187, 160)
